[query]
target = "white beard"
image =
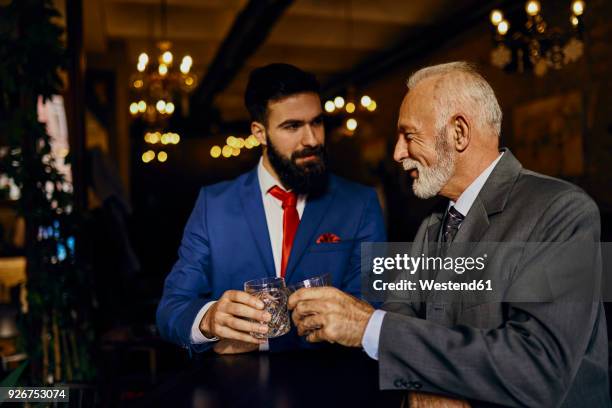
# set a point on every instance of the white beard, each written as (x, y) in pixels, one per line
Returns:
(431, 179)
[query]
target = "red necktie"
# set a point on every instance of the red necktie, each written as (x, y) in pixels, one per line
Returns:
(291, 220)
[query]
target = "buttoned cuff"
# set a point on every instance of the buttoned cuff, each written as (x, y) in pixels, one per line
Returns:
(371, 336)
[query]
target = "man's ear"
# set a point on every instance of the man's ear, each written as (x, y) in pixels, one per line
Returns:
(461, 132)
(259, 131)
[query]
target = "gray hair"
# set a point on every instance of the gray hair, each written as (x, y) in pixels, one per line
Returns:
(464, 86)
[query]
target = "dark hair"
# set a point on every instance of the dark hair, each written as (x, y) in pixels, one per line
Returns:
(273, 82)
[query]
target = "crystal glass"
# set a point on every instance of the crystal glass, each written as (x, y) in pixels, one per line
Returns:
(315, 281)
(273, 292)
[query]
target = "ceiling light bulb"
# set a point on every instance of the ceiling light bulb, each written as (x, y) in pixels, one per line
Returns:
(503, 27)
(496, 17)
(578, 7)
(167, 57)
(133, 108)
(365, 101)
(226, 151)
(142, 106)
(215, 151)
(532, 7)
(574, 20)
(169, 108)
(351, 124)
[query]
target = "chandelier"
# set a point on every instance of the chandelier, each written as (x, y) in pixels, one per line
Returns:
(535, 45)
(159, 84)
(349, 109)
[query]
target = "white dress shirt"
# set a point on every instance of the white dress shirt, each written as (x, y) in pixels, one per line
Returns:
(274, 219)
(371, 336)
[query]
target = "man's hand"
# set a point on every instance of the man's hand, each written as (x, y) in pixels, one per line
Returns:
(226, 318)
(227, 346)
(328, 314)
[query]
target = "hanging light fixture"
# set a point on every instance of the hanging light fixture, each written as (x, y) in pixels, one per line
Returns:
(534, 45)
(159, 83)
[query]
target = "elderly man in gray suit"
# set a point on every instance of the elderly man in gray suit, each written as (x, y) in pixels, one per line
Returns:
(540, 354)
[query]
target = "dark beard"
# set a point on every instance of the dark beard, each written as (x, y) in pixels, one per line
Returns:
(310, 178)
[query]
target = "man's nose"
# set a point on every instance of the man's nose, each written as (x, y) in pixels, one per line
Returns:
(309, 137)
(401, 150)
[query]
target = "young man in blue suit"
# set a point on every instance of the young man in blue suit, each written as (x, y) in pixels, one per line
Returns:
(287, 217)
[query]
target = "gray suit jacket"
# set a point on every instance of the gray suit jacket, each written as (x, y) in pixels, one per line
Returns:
(511, 354)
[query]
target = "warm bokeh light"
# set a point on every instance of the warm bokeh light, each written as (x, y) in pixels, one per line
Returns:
(329, 106)
(169, 108)
(350, 107)
(226, 151)
(162, 69)
(503, 27)
(141, 67)
(138, 83)
(143, 58)
(160, 105)
(215, 151)
(175, 138)
(239, 143)
(133, 108)
(167, 57)
(165, 138)
(162, 156)
(351, 124)
(154, 137)
(231, 141)
(248, 143)
(339, 102)
(574, 20)
(187, 60)
(142, 106)
(578, 7)
(532, 7)
(148, 156)
(372, 106)
(365, 101)
(189, 81)
(496, 17)
(235, 151)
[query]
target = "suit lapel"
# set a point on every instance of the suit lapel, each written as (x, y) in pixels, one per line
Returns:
(250, 196)
(313, 214)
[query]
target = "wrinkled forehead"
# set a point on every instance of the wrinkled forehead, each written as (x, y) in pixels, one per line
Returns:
(419, 104)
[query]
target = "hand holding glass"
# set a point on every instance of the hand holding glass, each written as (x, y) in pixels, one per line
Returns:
(273, 292)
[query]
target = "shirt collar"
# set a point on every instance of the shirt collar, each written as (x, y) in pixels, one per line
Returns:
(266, 180)
(467, 198)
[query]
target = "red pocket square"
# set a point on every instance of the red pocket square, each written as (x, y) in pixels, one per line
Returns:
(328, 237)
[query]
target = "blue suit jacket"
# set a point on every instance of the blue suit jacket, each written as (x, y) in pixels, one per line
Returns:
(226, 243)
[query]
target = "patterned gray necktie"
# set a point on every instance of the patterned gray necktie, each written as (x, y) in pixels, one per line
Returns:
(451, 225)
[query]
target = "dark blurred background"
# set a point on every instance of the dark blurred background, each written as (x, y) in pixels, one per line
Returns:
(557, 104)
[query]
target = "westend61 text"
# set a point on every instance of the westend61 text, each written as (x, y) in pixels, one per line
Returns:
(430, 284)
